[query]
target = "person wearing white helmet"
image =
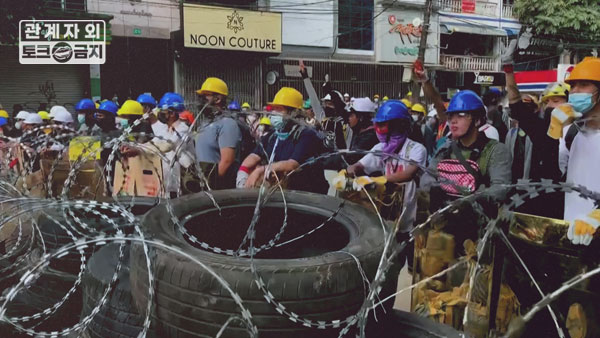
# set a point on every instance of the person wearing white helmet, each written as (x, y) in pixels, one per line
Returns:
(363, 131)
(21, 116)
(60, 115)
(32, 121)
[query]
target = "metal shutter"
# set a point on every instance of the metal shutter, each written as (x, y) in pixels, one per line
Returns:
(19, 84)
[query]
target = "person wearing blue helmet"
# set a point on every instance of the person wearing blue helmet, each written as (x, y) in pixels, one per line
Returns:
(169, 131)
(147, 101)
(396, 157)
(234, 106)
(469, 159)
(106, 116)
(85, 110)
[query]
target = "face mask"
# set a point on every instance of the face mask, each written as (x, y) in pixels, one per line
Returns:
(282, 136)
(394, 144)
(329, 111)
(581, 102)
(415, 118)
(18, 125)
(124, 123)
(81, 118)
(381, 137)
(277, 122)
(376, 100)
(163, 118)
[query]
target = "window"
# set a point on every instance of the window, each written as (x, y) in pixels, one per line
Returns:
(355, 24)
(67, 5)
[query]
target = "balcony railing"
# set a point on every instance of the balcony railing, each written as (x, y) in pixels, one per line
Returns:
(470, 63)
(507, 12)
(471, 7)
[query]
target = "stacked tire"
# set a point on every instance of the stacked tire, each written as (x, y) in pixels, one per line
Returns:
(316, 278)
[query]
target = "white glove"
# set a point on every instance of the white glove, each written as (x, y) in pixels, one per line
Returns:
(508, 52)
(339, 182)
(582, 229)
(240, 181)
(185, 159)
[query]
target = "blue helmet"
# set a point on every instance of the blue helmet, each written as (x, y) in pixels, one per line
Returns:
(234, 106)
(85, 104)
(108, 106)
(147, 99)
(173, 101)
(465, 101)
(3, 121)
(391, 110)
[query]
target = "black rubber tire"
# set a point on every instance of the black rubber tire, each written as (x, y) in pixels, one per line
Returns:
(189, 302)
(118, 318)
(402, 324)
(56, 237)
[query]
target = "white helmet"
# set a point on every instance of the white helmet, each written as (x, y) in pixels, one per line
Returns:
(22, 115)
(364, 104)
(432, 113)
(326, 98)
(54, 109)
(61, 114)
(346, 95)
(33, 118)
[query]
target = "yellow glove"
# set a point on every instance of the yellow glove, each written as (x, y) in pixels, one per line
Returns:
(339, 182)
(582, 230)
(561, 116)
(363, 181)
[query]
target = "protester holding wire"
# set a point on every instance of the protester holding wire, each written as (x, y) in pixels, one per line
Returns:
(282, 151)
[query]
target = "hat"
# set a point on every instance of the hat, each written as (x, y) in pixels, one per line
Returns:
(364, 104)
(22, 115)
(33, 118)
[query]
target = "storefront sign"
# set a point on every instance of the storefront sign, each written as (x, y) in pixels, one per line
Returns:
(232, 29)
(53, 42)
(400, 33)
(484, 79)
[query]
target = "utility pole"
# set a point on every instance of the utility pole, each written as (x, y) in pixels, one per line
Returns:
(416, 88)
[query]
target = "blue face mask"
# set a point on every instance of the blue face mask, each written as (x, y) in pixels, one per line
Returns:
(581, 102)
(277, 122)
(282, 136)
(124, 123)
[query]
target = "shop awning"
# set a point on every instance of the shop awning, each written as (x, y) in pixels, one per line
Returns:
(449, 28)
(512, 31)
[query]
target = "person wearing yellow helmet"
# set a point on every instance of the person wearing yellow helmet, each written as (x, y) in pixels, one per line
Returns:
(218, 145)
(246, 107)
(407, 103)
(290, 145)
(214, 91)
(555, 94)
(264, 126)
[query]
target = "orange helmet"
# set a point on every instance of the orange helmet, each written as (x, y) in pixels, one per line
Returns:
(586, 70)
(186, 116)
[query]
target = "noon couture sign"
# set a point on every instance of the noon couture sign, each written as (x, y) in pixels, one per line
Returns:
(231, 29)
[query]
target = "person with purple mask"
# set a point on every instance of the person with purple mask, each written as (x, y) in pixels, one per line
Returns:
(395, 156)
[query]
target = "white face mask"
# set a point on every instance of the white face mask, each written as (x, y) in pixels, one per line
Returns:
(19, 124)
(415, 118)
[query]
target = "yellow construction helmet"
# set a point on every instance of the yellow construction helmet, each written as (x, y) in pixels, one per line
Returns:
(376, 96)
(44, 115)
(265, 120)
(407, 103)
(385, 98)
(586, 70)
(246, 105)
(288, 97)
(131, 107)
(3, 113)
(418, 107)
(409, 94)
(555, 89)
(213, 85)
